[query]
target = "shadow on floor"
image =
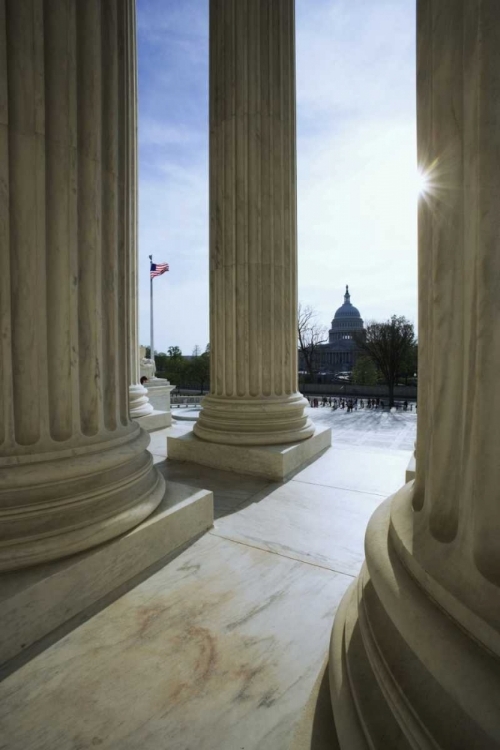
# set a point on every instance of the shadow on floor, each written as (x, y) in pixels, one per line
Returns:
(231, 491)
(316, 729)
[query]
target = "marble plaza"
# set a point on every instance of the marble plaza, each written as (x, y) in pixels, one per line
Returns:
(225, 646)
(378, 429)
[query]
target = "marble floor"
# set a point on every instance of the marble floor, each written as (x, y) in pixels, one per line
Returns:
(377, 429)
(225, 647)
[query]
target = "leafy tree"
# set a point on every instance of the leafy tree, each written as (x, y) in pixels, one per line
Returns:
(310, 335)
(172, 365)
(174, 351)
(409, 364)
(364, 371)
(387, 344)
(199, 367)
(161, 361)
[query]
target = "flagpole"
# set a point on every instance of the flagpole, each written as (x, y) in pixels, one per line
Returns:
(152, 344)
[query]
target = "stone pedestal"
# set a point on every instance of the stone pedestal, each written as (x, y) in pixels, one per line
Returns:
(416, 643)
(159, 391)
(254, 398)
(275, 462)
(159, 416)
(74, 469)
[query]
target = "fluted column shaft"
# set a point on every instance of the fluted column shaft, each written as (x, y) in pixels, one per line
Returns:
(425, 613)
(458, 471)
(459, 143)
(139, 405)
(253, 253)
(74, 470)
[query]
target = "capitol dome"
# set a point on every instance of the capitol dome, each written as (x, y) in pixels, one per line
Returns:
(342, 350)
(347, 319)
(347, 310)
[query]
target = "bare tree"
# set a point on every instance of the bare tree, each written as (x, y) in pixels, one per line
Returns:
(388, 344)
(310, 335)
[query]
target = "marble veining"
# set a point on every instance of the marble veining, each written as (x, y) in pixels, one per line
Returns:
(210, 652)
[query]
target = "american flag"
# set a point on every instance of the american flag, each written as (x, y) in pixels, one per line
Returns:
(157, 269)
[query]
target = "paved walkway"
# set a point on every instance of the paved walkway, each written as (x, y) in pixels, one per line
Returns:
(224, 648)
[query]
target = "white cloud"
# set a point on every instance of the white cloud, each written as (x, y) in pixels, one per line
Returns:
(357, 155)
(356, 160)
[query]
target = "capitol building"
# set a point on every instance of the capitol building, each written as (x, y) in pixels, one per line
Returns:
(341, 351)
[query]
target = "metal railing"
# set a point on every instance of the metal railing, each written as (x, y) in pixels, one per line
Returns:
(186, 401)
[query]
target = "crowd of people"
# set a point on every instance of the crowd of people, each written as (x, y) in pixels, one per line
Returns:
(353, 404)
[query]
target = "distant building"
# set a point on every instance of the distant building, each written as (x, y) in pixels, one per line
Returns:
(341, 351)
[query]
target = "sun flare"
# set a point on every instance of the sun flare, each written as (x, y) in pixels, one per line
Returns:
(422, 182)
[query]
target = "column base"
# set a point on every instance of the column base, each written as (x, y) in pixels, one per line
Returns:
(139, 404)
(268, 461)
(266, 420)
(36, 601)
(157, 420)
(403, 673)
(57, 503)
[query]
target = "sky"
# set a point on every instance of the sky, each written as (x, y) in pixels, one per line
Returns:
(356, 161)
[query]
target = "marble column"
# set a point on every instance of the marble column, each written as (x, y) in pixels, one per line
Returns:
(139, 405)
(74, 469)
(253, 250)
(416, 642)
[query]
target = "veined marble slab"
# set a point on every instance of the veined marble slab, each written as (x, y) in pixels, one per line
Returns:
(355, 468)
(219, 650)
(36, 601)
(295, 513)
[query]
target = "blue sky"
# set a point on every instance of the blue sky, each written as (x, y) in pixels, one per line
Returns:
(356, 148)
